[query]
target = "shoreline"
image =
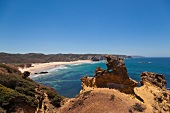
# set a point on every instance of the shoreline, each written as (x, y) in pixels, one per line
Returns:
(40, 67)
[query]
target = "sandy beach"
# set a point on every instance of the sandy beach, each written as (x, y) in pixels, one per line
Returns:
(39, 67)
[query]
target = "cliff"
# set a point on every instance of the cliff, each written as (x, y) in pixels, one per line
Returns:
(19, 94)
(113, 91)
(153, 92)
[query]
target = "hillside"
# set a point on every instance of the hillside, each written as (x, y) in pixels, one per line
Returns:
(42, 58)
(20, 94)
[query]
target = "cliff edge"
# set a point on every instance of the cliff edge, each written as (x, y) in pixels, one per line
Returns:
(109, 91)
(113, 91)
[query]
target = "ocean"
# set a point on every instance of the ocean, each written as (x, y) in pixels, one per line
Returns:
(65, 79)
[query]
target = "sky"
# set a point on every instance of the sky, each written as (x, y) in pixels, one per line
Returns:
(129, 27)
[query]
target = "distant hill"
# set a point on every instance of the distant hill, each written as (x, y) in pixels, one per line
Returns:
(42, 58)
(135, 56)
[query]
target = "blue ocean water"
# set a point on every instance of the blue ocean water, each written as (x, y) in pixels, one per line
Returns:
(66, 79)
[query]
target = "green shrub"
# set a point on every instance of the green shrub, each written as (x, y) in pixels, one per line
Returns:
(18, 83)
(32, 101)
(14, 88)
(54, 97)
(26, 74)
(9, 96)
(25, 91)
(6, 95)
(56, 101)
(10, 69)
(8, 80)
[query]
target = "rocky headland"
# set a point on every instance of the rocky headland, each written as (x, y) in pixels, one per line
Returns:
(110, 90)
(113, 91)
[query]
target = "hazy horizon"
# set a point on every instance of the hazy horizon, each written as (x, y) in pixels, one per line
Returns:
(87, 26)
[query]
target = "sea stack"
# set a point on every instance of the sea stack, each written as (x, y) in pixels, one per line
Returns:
(115, 76)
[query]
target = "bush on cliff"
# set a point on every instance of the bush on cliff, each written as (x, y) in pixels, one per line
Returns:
(9, 69)
(16, 89)
(54, 97)
(17, 83)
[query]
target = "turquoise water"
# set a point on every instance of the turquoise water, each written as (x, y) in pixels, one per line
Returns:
(66, 79)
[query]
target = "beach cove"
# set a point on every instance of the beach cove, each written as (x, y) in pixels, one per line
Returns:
(40, 67)
(65, 79)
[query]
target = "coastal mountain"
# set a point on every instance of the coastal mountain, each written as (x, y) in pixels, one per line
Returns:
(42, 58)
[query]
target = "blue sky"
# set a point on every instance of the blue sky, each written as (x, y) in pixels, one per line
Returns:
(131, 27)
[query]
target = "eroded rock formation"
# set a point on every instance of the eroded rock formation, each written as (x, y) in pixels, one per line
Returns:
(153, 78)
(153, 92)
(115, 76)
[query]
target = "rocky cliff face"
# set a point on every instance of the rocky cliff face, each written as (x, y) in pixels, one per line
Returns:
(153, 92)
(153, 78)
(115, 76)
(151, 97)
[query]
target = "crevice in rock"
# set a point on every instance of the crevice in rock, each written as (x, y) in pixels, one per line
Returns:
(139, 98)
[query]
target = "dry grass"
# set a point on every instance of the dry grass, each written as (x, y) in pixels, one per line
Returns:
(99, 100)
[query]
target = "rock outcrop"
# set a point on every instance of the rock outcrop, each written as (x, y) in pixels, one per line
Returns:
(153, 92)
(115, 76)
(113, 91)
(153, 78)
(151, 97)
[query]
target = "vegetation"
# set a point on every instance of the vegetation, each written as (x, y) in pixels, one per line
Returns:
(137, 107)
(54, 97)
(87, 93)
(18, 88)
(26, 74)
(8, 69)
(112, 97)
(9, 97)
(77, 103)
(21, 59)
